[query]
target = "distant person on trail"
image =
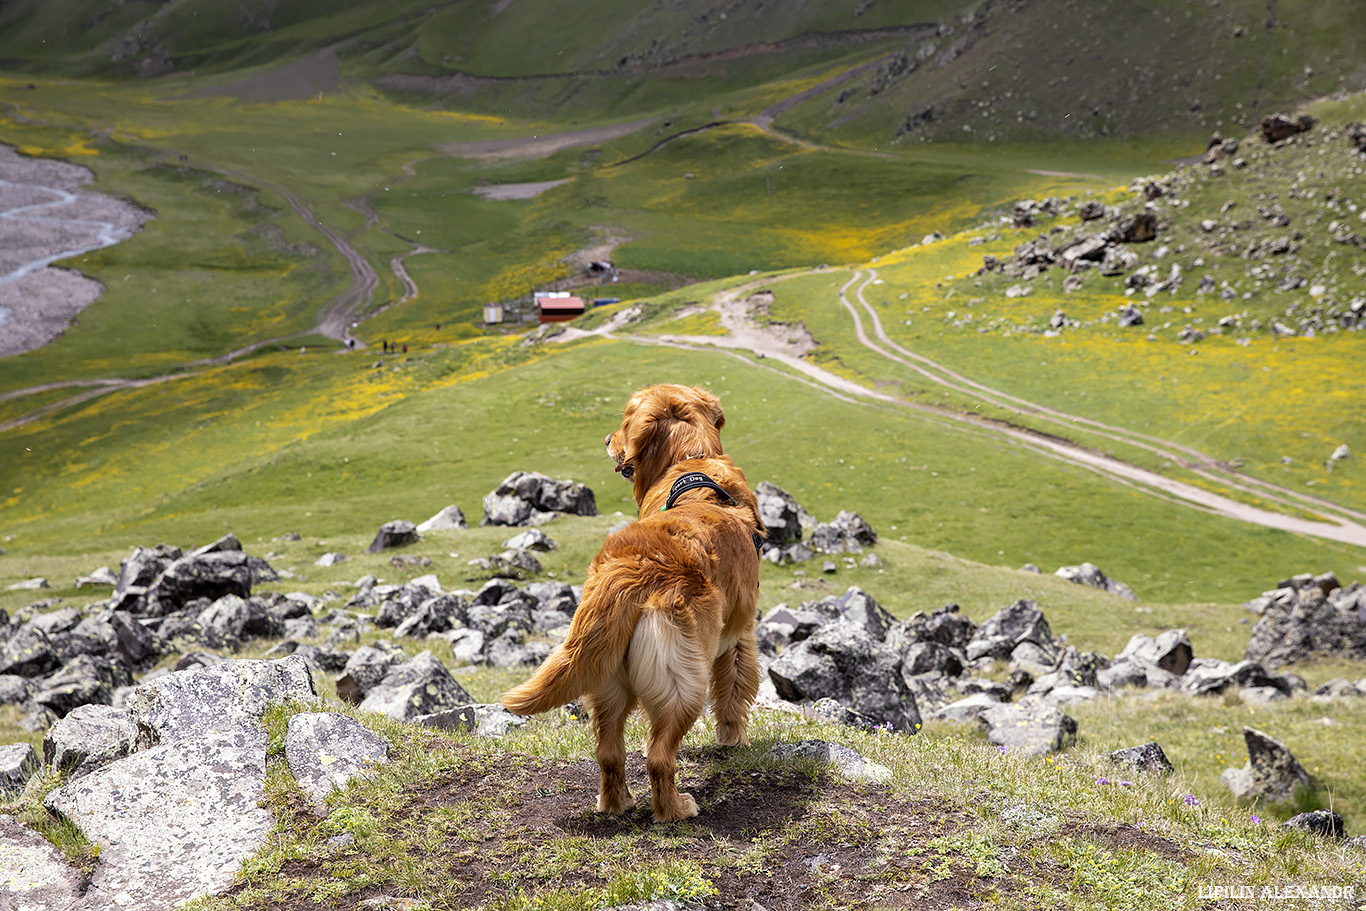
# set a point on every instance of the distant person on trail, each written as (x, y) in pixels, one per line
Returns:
(405, 347)
(351, 343)
(386, 346)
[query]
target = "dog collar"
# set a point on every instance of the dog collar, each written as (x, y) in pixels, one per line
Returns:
(693, 480)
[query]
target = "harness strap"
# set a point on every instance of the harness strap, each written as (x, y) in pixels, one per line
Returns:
(696, 480)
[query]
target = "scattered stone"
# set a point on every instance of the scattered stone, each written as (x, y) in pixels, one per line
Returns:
(331, 558)
(366, 668)
(1138, 228)
(849, 764)
(102, 576)
(968, 709)
(325, 750)
(531, 498)
(1272, 773)
(1308, 617)
(780, 513)
(448, 519)
(1325, 823)
(492, 721)
(398, 533)
(1171, 651)
(29, 585)
(1148, 757)
(1090, 574)
(531, 539)
(1279, 127)
(999, 636)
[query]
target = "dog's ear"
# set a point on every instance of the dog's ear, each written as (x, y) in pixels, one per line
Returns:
(684, 421)
(710, 408)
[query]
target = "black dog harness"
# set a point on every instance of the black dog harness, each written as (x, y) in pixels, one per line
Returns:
(696, 480)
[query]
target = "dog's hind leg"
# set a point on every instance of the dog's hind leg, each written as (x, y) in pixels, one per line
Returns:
(669, 674)
(611, 706)
(734, 684)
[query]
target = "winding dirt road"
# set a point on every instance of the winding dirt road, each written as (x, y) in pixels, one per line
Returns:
(1336, 523)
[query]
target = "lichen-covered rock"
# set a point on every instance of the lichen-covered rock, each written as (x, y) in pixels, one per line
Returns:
(33, 874)
(841, 661)
(225, 696)
(325, 750)
(1147, 757)
(421, 686)
(1031, 727)
(175, 821)
(448, 519)
(89, 737)
(366, 668)
(398, 533)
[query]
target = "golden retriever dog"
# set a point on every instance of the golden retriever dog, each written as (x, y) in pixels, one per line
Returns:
(667, 615)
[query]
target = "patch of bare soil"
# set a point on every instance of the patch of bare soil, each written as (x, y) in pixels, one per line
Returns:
(517, 190)
(304, 78)
(778, 839)
(526, 147)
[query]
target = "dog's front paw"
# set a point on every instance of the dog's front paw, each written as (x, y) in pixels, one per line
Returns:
(684, 807)
(731, 735)
(617, 803)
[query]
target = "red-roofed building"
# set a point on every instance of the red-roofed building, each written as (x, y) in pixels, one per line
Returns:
(558, 306)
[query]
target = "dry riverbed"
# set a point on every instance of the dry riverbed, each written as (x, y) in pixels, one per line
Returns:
(47, 215)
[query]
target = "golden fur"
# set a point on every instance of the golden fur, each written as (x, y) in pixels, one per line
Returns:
(667, 616)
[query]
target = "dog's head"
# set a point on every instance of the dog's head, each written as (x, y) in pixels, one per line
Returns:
(661, 426)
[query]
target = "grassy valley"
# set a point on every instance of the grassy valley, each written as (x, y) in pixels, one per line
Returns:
(326, 170)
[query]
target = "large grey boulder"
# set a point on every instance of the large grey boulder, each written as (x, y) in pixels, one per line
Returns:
(172, 822)
(231, 621)
(1324, 823)
(18, 761)
(531, 498)
(398, 533)
(1272, 772)
(120, 636)
(436, 615)
(209, 575)
(1207, 676)
(421, 686)
(1171, 651)
(780, 514)
(1134, 672)
(89, 737)
(33, 874)
(1007, 628)
(366, 668)
(325, 750)
(969, 708)
(842, 662)
(945, 626)
(1031, 727)
(448, 519)
(221, 697)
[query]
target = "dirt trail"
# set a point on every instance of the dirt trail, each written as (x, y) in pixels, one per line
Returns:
(776, 343)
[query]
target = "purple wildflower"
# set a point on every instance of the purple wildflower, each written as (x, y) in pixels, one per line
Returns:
(1126, 784)
(1102, 781)
(1256, 820)
(1191, 801)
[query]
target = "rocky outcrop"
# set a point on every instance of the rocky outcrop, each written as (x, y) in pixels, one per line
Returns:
(421, 686)
(1148, 757)
(1280, 127)
(531, 498)
(1309, 617)
(33, 874)
(841, 661)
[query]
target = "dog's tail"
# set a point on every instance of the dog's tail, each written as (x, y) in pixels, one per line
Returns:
(594, 650)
